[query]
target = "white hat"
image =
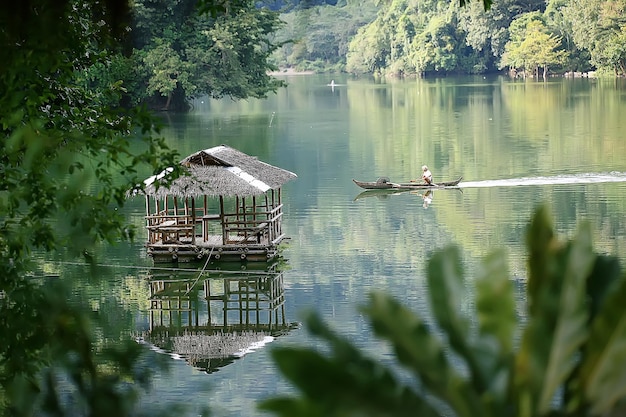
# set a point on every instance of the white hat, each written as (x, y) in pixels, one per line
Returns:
(424, 167)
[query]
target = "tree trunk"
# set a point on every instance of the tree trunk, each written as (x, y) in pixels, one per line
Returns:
(169, 100)
(175, 101)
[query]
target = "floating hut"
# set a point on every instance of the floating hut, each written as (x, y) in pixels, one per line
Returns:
(228, 207)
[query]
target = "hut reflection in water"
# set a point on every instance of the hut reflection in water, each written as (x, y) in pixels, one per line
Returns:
(212, 318)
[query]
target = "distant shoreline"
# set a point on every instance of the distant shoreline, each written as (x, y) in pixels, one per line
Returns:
(290, 71)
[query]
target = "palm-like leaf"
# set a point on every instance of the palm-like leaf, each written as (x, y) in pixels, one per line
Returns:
(558, 315)
(487, 353)
(574, 343)
(447, 293)
(495, 302)
(603, 374)
(343, 383)
(422, 352)
(497, 322)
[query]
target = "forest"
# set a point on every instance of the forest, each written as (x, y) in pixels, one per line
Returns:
(532, 38)
(176, 54)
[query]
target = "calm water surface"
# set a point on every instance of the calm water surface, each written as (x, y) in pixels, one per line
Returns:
(516, 144)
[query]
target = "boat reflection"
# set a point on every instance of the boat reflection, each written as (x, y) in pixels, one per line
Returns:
(426, 195)
(382, 193)
(212, 318)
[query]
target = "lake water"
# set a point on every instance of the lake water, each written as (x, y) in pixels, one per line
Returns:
(517, 144)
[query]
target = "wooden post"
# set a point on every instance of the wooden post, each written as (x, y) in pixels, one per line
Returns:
(207, 297)
(279, 227)
(254, 208)
(225, 300)
(243, 209)
(193, 220)
(223, 220)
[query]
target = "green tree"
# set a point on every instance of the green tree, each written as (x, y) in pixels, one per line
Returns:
(383, 47)
(487, 31)
(318, 38)
(439, 47)
(577, 59)
(565, 358)
(70, 150)
(123, 73)
(599, 26)
(368, 51)
(167, 71)
(514, 55)
(186, 54)
(427, 37)
(531, 47)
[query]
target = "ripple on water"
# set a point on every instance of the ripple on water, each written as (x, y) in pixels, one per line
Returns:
(585, 178)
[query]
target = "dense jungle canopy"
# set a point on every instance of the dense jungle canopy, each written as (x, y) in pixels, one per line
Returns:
(172, 53)
(438, 37)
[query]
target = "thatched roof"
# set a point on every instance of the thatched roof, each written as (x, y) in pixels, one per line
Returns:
(221, 170)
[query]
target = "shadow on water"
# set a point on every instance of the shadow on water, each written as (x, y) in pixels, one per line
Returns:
(212, 318)
(426, 195)
(588, 178)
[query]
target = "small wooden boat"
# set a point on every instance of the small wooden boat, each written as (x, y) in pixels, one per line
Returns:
(384, 184)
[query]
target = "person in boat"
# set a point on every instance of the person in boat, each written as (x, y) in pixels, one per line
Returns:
(427, 176)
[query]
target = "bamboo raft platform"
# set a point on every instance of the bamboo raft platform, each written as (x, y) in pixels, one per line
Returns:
(228, 208)
(246, 234)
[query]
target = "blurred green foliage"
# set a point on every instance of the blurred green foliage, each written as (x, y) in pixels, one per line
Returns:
(185, 49)
(565, 358)
(68, 155)
(56, 365)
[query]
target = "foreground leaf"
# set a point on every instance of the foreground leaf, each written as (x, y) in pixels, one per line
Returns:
(342, 384)
(495, 302)
(558, 315)
(447, 293)
(419, 350)
(603, 374)
(497, 322)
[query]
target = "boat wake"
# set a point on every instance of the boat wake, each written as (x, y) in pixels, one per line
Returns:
(589, 178)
